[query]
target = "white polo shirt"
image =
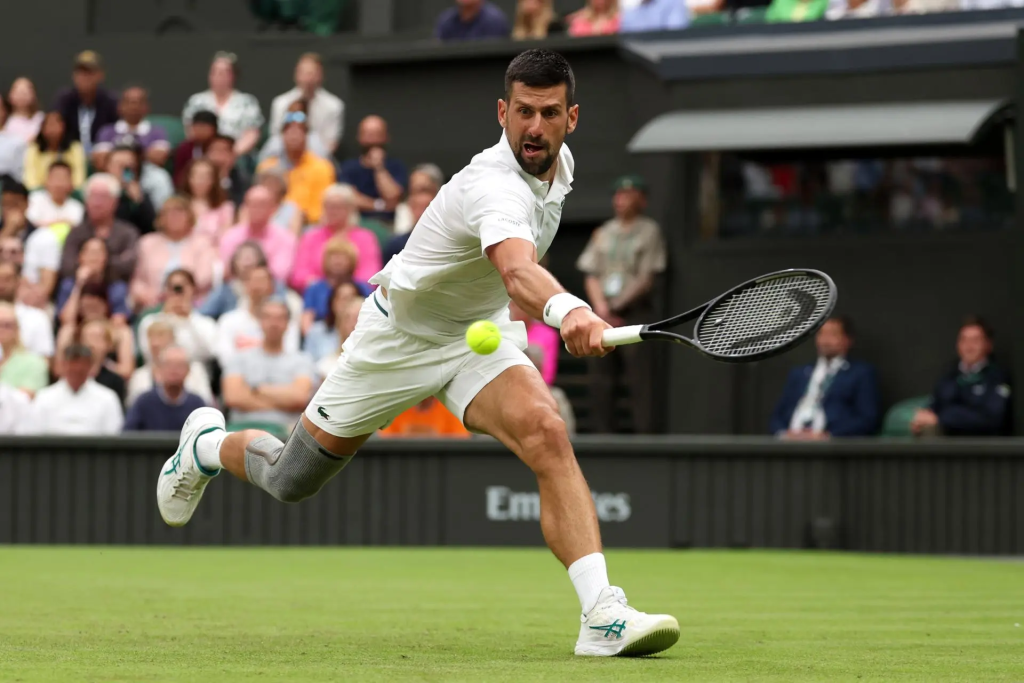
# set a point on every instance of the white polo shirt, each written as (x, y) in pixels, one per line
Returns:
(442, 281)
(92, 410)
(15, 408)
(35, 329)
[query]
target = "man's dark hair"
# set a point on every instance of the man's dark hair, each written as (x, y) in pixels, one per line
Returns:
(222, 138)
(60, 163)
(8, 185)
(136, 152)
(541, 69)
(205, 116)
(845, 322)
(979, 322)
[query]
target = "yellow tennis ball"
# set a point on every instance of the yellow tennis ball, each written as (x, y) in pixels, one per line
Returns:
(483, 337)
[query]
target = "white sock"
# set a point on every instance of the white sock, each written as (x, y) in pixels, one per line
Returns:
(208, 449)
(589, 576)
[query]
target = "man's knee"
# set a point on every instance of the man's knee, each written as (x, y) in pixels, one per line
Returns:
(545, 440)
(293, 471)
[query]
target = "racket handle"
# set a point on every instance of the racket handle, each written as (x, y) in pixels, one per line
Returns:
(620, 336)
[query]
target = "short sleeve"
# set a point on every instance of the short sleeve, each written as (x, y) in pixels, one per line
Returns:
(589, 261)
(497, 212)
(251, 115)
(652, 256)
(234, 364)
(305, 367)
(42, 250)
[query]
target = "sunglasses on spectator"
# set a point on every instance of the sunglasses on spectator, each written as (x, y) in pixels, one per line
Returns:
(294, 117)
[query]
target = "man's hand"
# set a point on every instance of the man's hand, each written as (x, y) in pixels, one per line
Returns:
(83, 274)
(582, 330)
(923, 419)
(374, 158)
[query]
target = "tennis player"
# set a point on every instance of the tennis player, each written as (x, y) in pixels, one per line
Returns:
(476, 246)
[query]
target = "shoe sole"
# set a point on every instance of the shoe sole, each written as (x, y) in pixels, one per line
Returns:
(654, 642)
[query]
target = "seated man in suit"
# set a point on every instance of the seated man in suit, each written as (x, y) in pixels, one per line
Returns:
(834, 396)
(973, 397)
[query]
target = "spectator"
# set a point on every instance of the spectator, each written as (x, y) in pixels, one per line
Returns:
(93, 306)
(545, 342)
(165, 407)
(379, 180)
(76, 405)
(796, 10)
(565, 410)
(102, 193)
(238, 113)
(287, 213)
(134, 204)
(33, 324)
(973, 397)
(234, 180)
(193, 331)
(620, 264)
(19, 368)
(12, 147)
(213, 211)
(598, 18)
(53, 211)
(931, 6)
(339, 201)
(155, 181)
(54, 143)
(834, 396)
(228, 295)
(429, 418)
(340, 258)
(308, 174)
(325, 337)
(53, 203)
(425, 179)
(274, 146)
(11, 251)
(344, 325)
(269, 383)
(15, 410)
(472, 20)
(25, 117)
(202, 133)
(417, 204)
(160, 336)
(535, 20)
(241, 329)
(92, 270)
(173, 246)
(132, 130)
(87, 107)
(275, 240)
(858, 9)
(326, 111)
(655, 15)
(13, 209)
(98, 335)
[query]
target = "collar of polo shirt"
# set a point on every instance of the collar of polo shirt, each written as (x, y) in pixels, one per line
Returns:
(540, 187)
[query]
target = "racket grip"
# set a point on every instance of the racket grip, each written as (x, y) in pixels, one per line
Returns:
(620, 336)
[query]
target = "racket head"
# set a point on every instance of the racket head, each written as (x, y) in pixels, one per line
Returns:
(765, 316)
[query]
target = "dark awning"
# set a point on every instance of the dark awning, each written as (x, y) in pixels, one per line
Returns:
(836, 126)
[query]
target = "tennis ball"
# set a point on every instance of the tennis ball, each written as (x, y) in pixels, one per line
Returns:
(483, 337)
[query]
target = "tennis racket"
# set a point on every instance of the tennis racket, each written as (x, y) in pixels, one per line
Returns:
(756, 320)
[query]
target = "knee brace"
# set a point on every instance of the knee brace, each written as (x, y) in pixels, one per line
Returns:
(292, 471)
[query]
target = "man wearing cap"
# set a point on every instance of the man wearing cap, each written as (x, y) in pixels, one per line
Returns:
(87, 107)
(77, 404)
(308, 175)
(620, 264)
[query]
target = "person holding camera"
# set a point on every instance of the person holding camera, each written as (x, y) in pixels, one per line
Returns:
(193, 331)
(380, 180)
(134, 206)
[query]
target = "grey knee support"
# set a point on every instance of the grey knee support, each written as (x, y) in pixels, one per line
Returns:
(292, 471)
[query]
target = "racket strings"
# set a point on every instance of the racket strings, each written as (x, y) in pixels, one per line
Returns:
(768, 314)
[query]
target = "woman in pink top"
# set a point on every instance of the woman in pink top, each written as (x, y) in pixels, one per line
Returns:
(175, 245)
(545, 338)
(339, 202)
(598, 18)
(25, 118)
(214, 213)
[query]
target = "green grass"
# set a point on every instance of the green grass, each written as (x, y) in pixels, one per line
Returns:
(103, 614)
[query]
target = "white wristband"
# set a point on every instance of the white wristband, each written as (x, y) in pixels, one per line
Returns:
(559, 306)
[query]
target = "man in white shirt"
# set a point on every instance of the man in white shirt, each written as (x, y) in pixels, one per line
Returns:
(34, 323)
(15, 408)
(240, 329)
(326, 111)
(76, 405)
(53, 202)
(476, 247)
(193, 331)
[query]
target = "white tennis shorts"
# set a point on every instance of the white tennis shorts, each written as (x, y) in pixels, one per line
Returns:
(384, 371)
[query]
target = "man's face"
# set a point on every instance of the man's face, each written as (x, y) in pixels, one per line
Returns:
(8, 282)
(222, 155)
(76, 371)
(12, 202)
(831, 340)
(308, 75)
(260, 205)
(58, 183)
(259, 285)
(628, 202)
(294, 138)
(173, 369)
(972, 345)
(373, 132)
(120, 161)
(87, 80)
(536, 121)
(159, 340)
(274, 321)
(11, 251)
(100, 204)
(202, 133)
(134, 105)
(421, 182)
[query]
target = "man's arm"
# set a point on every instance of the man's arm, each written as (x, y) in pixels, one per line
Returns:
(238, 395)
(636, 289)
(531, 287)
(288, 397)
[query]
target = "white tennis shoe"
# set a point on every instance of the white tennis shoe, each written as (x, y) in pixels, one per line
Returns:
(182, 479)
(614, 629)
